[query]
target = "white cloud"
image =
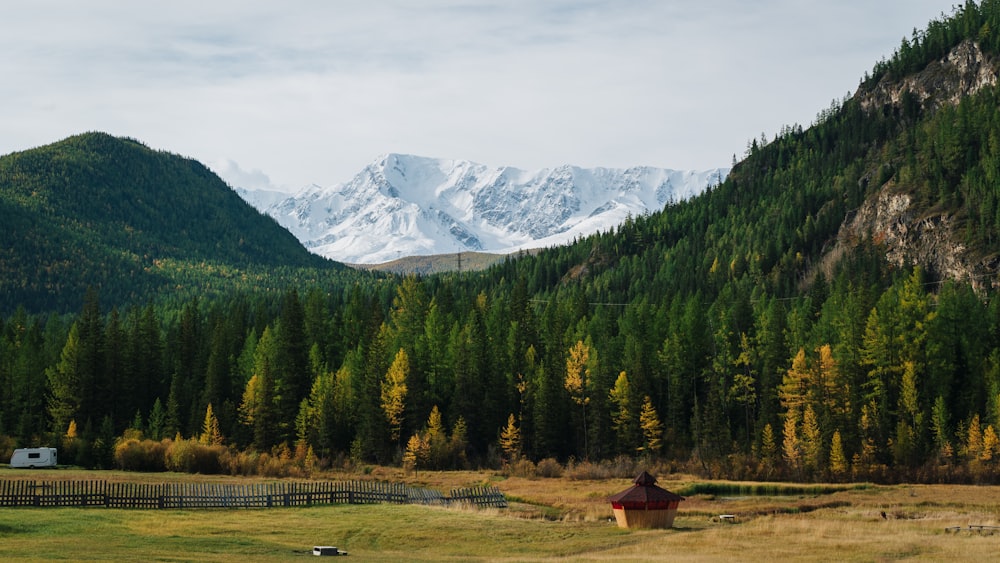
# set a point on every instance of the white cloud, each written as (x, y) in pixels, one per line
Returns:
(310, 91)
(237, 177)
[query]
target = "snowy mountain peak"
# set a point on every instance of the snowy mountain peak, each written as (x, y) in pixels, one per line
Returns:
(405, 205)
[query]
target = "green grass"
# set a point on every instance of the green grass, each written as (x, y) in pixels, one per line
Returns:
(372, 531)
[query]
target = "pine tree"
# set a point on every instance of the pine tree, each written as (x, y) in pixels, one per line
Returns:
(991, 444)
(416, 453)
(90, 360)
(652, 428)
(458, 442)
(344, 406)
(64, 383)
(744, 386)
(867, 457)
(622, 413)
(791, 447)
(249, 406)
(305, 428)
(838, 461)
(292, 379)
(577, 381)
(320, 413)
(974, 439)
(939, 425)
(210, 434)
(812, 440)
(156, 420)
(113, 390)
(137, 424)
(437, 440)
(257, 408)
(910, 417)
(510, 439)
(794, 389)
(831, 393)
(768, 447)
(394, 393)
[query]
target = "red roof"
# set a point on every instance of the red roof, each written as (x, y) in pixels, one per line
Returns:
(645, 494)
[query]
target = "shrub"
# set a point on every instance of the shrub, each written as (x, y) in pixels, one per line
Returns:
(521, 468)
(146, 455)
(7, 446)
(271, 466)
(190, 456)
(622, 467)
(239, 463)
(180, 456)
(549, 468)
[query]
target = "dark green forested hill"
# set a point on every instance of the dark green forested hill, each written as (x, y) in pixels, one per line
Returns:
(110, 212)
(829, 312)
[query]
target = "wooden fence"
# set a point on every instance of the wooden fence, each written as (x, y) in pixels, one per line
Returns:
(484, 496)
(210, 495)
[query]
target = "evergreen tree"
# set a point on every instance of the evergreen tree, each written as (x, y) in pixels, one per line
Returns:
(157, 421)
(114, 389)
(90, 353)
(939, 424)
(292, 377)
(743, 389)
(65, 380)
(257, 408)
(623, 414)
(768, 450)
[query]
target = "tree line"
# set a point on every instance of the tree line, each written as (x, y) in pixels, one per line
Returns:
(881, 379)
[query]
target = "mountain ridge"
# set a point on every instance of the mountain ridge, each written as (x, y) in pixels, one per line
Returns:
(97, 210)
(405, 205)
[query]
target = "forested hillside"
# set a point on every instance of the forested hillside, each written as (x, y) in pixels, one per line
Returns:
(95, 210)
(746, 332)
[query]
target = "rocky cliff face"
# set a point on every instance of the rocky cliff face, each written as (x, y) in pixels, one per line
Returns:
(965, 71)
(911, 237)
(930, 238)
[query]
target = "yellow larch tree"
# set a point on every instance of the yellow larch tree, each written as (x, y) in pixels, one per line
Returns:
(510, 439)
(652, 428)
(577, 380)
(394, 393)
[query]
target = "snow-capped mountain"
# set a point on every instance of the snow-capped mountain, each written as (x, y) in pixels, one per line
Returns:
(403, 205)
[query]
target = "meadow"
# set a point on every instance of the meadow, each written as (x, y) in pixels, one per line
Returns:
(549, 519)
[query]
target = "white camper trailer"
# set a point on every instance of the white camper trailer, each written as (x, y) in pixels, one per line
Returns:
(34, 457)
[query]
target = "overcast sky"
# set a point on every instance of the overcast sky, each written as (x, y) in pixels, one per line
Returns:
(286, 94)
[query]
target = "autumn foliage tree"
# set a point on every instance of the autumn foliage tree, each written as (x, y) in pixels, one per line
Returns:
(394, 391)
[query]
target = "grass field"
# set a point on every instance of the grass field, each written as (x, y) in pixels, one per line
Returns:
(550, 519)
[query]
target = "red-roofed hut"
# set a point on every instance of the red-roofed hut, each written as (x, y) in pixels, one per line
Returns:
(644, 505)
